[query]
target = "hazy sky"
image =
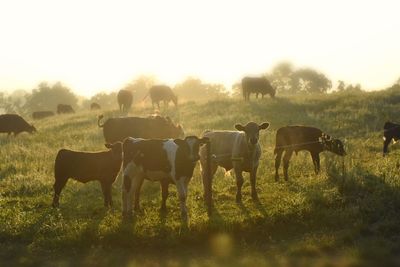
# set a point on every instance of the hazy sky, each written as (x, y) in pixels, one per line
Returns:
(102, 45)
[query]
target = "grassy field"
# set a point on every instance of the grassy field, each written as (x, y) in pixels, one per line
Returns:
(349, 215)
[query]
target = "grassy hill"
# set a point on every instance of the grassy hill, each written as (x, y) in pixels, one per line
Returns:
(349, 215)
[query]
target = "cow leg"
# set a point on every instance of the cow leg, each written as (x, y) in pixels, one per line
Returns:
(257, 95)
(207, 181)
(164, 194)
(239, 184)
(126, 188)
(386, 143)
(137, 193)
(106, 188)
(286, 159)
(58, 186)
(253, 176)
(278, 158)
(316, 162)
(180, 185)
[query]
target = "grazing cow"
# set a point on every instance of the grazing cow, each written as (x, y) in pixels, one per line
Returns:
(167, 161)
(37, 115)
(237, 150)
(390, 131)
(13, 123)
(125, 99)
(64, 109)
(102, 166)
(162, 93)
(291, 139)
(153, 127)
(94, 106)
(257, 85)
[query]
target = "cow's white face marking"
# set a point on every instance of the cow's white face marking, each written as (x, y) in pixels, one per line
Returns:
(170, 147)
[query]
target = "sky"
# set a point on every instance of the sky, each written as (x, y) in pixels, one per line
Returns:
(100, 45)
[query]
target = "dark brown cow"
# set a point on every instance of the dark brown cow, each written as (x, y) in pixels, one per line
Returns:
(162, 93)
(102, 166)
(13, 123)
(64, 109)
(95, 106)
(153, 127)
(37, 115)
(291, 139)
(257, 85)
(125, 99)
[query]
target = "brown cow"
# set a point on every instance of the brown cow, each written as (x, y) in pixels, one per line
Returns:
(162, 93)
(102, 166)
(13, 123)
(95, 106)
(153, 127)
(125, 99)
(64, 109)
(291, 139)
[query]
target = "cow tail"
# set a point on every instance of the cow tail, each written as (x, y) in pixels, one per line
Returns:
(98, 121)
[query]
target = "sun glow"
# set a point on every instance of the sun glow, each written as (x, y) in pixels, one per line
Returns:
(102, 45)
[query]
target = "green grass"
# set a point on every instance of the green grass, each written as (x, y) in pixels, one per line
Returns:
(349, 215)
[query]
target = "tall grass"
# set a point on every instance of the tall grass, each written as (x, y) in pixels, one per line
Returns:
(347, 215)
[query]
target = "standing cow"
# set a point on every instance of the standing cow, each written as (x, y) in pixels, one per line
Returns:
(167, 161)
(291, 139)
(257, 85)
(64, 109)
(125, 99)
(237, 150)
(162, 93)
(391, 131)
(13, 123)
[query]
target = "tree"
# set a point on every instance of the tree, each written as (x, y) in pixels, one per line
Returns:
(106, 101)
(195, 89)
(341, 86)
(46, 97)
(311, 81)
(140, 86)
(281, 77)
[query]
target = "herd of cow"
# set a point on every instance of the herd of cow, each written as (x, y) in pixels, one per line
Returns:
(156, 149)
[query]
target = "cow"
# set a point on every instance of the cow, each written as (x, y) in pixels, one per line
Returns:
(125, 99)
(102, 166)
(237, 150)
(291, 139)
(162, 93)
(257, 85)
(166, 161)
(37, 115)
(13, 123)
(390, 131)
(153, 127)
(95, 106)
(64, 109)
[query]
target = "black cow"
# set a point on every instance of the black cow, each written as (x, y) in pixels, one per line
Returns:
(162, 93)
(291, 139)
(37, 115)
(13, 123)
(153, 127)
(125, 99)
(257, 85)
(390, 131)
(95, 106)
(167, 161)
(64, 109)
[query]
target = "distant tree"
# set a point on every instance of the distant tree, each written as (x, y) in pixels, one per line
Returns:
(46, 97)
(195, 89)
(237, 90)
(14, 102)
(311, 81)
(105, 100)
(341, 86)
(281, 78)
(140, 86)
(353, 88)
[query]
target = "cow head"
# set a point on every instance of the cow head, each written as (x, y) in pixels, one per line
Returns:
(32, 129)
(252, 132)
(333, 145)
(191, 145)
(116, 149)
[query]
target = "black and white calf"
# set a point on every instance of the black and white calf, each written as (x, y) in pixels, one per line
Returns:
(167, 161)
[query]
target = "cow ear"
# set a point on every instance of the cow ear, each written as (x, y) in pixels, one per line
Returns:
(179, 142)
(239, 127)
(263, 126)
(108, 145)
